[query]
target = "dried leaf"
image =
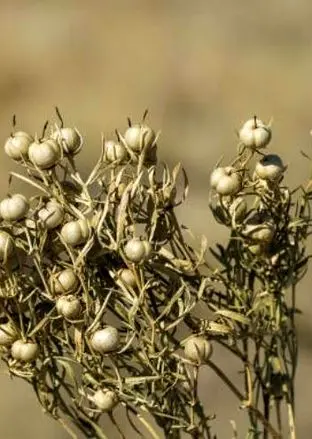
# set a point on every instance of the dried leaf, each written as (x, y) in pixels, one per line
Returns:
(233, 316)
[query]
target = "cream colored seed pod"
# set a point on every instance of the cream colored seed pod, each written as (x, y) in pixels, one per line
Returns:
(230, 183)
(76, 232)
(24, 351)
(105, 340)
(139, 136)
(7, 334)
(69, 307)
(14, 208)
(69, 139)
(105, 400)
(115, 151)
(137, 250)
(51, 215)
(255, 134)
(270, 167)
(127, 277)
(198, 349)
(215, 176)
(17, 145)
(6, 245)
(64, 282)
(45, 154)
(262, 232)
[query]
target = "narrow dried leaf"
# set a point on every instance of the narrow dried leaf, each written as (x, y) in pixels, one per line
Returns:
(233, 316)
(218, 328)
(133, 381)
(122, 213)
(31, 182)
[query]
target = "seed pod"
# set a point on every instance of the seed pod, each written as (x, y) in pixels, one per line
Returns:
(262, 232)
(230, 183)
(138, 137)
(105, 400)
(6, 245)
(51, 215)
(270, 167)
(105, 340)
(14, 208)
(8, 334)
(115, 151)
(137, 251)
(198, 349)
(127, 277)
(64, 282)
(24, 351)
(69, 307)
(255, 134)
(215, 176)
(69, 139)
(76, 232)
(45, 154)
(17, 145)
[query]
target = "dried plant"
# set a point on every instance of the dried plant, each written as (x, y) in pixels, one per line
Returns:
(100, 284)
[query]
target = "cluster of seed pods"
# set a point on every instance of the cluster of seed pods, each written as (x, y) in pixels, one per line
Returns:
(99, 287)
(75, 256)
(239, 195)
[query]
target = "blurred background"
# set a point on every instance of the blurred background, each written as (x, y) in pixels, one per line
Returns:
(201, 67)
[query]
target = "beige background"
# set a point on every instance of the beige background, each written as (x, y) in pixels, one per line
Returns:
(202, 68)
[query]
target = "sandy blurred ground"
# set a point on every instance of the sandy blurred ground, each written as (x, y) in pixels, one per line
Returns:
(201, 67)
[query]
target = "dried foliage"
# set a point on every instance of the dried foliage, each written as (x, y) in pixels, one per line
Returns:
(99, 284)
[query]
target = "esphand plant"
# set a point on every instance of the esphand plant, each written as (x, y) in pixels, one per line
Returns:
(100, 285)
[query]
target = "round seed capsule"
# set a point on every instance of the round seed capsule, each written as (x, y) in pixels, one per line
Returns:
(230, 183)
(69, 307)
(17, 145)
(24, 351)
(127, 277)
(105, 340)
(69, 139)
(215, 176)
(137, 250)
(76, 232)
(64, 282)
(115, 151)
(138, 137)
(14, 208)
(105, 400)
(255, 134)
(198, 349)
(270, 167)
(44, 154)
(51, 215)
